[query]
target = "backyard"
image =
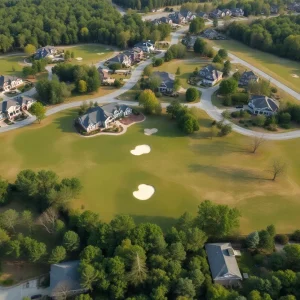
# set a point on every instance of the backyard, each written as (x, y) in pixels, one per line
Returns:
(183, 170)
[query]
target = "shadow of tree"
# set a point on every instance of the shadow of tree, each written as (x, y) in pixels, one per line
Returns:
(66, 122)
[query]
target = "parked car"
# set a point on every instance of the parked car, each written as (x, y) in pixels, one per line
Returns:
(240, 106)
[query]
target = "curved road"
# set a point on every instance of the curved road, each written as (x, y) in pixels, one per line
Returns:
(205, 103)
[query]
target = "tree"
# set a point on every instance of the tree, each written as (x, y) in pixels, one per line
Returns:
(38, 110)
(271, 230)
(33, 249)
(218, 59)
(193, 239)
(256, 142)
(9, 219)
(71, 241)
(148, 100)
(217, 220)
(138, 273)
(174, 108)
(223, 53)
(123, 38)
(191, 95)
(228, 86)
(88, 274)
(252, 240)
(3, 191)
(29, 49)
(48, 219)
(148, 71)
(266, 241)
(154, 82)
(215, 22)
(200, 46)
(58, 254)
(82, 86)
(185, 287)
(177, 252)
(277, 168)
(188, 123)
(197, 25)
(4, 237)
(115, 66)
(178, 71)
(27, 219)
(292, 252)
(227, 68)
(83, 297)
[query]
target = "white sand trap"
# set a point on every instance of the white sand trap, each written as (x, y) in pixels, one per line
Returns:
(295, 76)
(100, 53)
(79, 58)
(144, 192)
(151, 131)
(107, 49)
(142, 149)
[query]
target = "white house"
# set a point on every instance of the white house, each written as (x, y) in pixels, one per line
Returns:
(101, 116)
(121, 58)
(263, 105)
(14, 107)
(210, 75)
(8, 83)
(145, 46)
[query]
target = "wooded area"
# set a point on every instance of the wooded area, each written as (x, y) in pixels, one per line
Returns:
(280, 35)
(42, 23)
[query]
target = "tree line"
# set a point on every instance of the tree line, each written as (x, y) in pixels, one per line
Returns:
(280, 35)
(42, 23)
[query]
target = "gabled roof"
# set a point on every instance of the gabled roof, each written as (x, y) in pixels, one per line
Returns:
(6, 78)
(262, 102)
(67, 273)
(222, 262)
(166, 78)
(118, 58)
(248, 75)
(17, 101)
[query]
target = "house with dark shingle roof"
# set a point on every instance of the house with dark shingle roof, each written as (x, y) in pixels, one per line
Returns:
(223, 265)
(121, 58)
(263, 105)
(8, 83)
(102, 116)
(246, 77)
(45, 52)
(237, 12)
(14, 107)
(167, 81)
(65, 279)
(210, 75)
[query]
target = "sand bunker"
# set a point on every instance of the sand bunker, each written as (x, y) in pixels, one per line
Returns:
(144, 192)
(142, 149)
(100, 53)
(151, 131)
(79, 58)
(295, 76)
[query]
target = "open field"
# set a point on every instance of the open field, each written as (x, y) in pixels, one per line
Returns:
(280, 68)
(10, 62)
(183, 170)
(90, 53)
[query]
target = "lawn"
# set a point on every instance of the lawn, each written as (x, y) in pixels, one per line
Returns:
(280, 68)
(12, 64)
(90, 53)
(183, 170)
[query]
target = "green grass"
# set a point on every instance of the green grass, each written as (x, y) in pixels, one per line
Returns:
(10, 62)
(90, 53)
(277, 67)
(183, 170)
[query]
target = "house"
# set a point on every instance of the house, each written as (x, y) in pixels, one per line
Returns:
(210, 34)
(145, 46)
(294, 7)
(274, 9)
(177, 18)
(203, 15)
(14, 107)
(223, 265)
(45, 52)
(246, 77)
(8, 83)
(210, 75)
(121, 58)
(166, 20)
(167, 81)
(217, 14)
(101, 116)
(65, 280)
(135, 55)
(237, 12)
(227, 12)
(104, 76)
(189, 41)
(263, 105)
(188, 15)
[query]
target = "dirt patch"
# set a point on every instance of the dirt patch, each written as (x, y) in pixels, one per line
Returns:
(295, 76)
(132, 119)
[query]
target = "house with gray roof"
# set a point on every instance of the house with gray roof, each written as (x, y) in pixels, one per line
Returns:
(210, 75)
(8, 83)
(12, 108)
(167, 81)
(247, 77)
(263, 105)
(145, 46)
(45, 52)
(102, 116)
(223, 265)
(65, 279)
(121, 58)
(237, 12)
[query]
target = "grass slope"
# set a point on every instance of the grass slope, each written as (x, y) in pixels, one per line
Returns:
(183, 170)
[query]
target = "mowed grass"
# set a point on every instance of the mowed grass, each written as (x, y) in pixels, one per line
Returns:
(90, 53)
(279, 68)
(12, 64)
(183, 170)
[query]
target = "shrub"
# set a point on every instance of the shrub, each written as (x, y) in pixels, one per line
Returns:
(259, 120)
(158, 62)
(191, 95)
(282, 239)
(235, 114)
(284, 118)
(242, 122)
(225, 130)
(240, 98)
(226, 114)
(296, 236)
(117, 83)
(158, 94)
(272, 127)
(285, 126)
(273, 89)
(227, 100)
